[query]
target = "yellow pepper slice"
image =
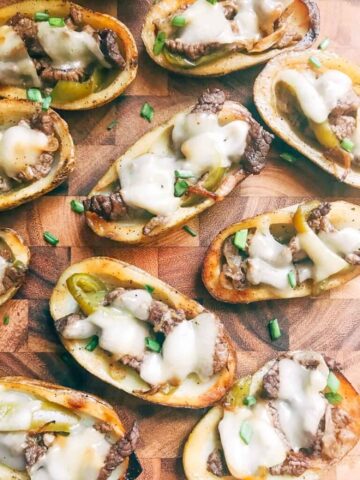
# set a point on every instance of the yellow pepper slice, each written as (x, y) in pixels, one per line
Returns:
(324, 135)
(237, 394)
(66, 91)
(89, 291)
(301, 214)
(211, 183)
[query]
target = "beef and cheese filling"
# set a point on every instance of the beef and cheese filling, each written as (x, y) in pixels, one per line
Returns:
(283, 421)
(205, 30)
(49, 442)
(12, 270)
(315, 252)
(157, 341)
(66, 57)
(325, 107)
(186, 166)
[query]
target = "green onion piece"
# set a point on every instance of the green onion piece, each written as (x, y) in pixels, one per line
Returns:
(183, 174)
(112, 125)
(178, 21)
(249, 401)
(274, 329)
(240, 239)
(333, 382)
(181, 187)
(50, 238)
(324, 44)
(77, 206)
(292, 279)
(41, 17)
(147, 112)
(333, 398)
(246, 432)
(152, 345)
(46, 103)
(189, 230)
(288, 157)
(315, 62)
(6, 320)
(159, 43)
(149, 288)
(34, 95)
(93, 343)
(56, 22)
(347, 145)
(212, 1)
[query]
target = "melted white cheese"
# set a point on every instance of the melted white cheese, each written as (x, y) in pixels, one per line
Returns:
(317, 96)
(16, 410)
(300, 404)
(137, 302)
(68, 48)
(20, 146)
(3, 266)
(259, 271)
(343, 241)
(266, 448)
(16, 66)
(12, 450)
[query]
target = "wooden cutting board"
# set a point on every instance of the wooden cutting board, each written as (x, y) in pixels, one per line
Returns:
(29, 345)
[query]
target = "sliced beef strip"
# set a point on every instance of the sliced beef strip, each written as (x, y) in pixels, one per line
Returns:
(109, 207)
(295, 464)
(132, 362)
(342, 118)
(234, 268)
(210, 101)
(42, 121)
(258, 145)
(36, 447)
(27, 29)
(103, 427)
(163, 318)
(297, 253)
(271, 382)
(40, 170)
(191, 51)
(338, 433)
(221, 352)
(62, 323)
(14, 276)
(51, 75)
(119, 451)
(216, 463)
(110, 48)
(318, 220)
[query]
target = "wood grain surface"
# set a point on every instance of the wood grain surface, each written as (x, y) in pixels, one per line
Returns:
(29, 345)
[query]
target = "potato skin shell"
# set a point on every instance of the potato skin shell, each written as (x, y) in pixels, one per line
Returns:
(125, 378)
(234, 61)
(61, 8)
(341, 214)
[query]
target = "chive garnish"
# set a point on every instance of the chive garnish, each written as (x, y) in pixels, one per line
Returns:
(189, 230)
(112, 125)
(178, 21)
(41, 17)
(288, 157)
(181, 187)
(77, 206)
(147, 112)
(249, 401)
(56, 22)
(212, 1)
(46, 103)
(183, 174)
(333, 382)
(159, 43)
(152, 345)
(292, 279)
(50, 238)
(274, 329)
(333, 398)
(324, 44)
(240, 239)
(315, 62)
(34, 95)
(92, 344)
(6, 320)
(149, 288)
(246, 432)
(347, 145)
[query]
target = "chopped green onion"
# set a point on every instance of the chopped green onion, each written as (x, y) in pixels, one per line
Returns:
(212, 1)
(56, 22)
(147, 112)
(34, 95)
(41, 17)
(288, 157)
(315, 62)
(183, 174)
(152, 345)
(347, 145)
(240, 239)
(181, 187)
(112, 125)
(189, 230)
(50, 238)
(292, 279)
(6, 320)
(324, 44)
(333, 382)
(46, 103)
(149, 288)
(246, 432)
(159, 43)
(249, 401)
(77, 206)
(274, 329)
(333, 398)
(92, 344)
(178, 21)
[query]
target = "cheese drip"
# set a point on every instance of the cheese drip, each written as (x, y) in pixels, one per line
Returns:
(12, 450)
(16, 66)
(265, 449)
(20, 147)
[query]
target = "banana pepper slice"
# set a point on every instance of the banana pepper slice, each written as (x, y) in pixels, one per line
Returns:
(67, 91)
(89, 291)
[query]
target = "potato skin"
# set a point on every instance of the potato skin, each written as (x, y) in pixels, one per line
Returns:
(61, 8)
(125, 378)
(341, 214)
(308, 21)
(267, 107)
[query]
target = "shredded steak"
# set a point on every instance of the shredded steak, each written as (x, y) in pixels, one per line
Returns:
(257, 149)
(221, 352)
(110, 48)
(210, 101)
(191, 51)
(14, 276)
(42, 121)
(271, 382)
(26, 28)
(163, 318)
(132, 362)
(216, 463)
(35, 448)
(62, 323)
(52, 75)
(317, 218)
(109, 207)
(234, 268)
(295, 464)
